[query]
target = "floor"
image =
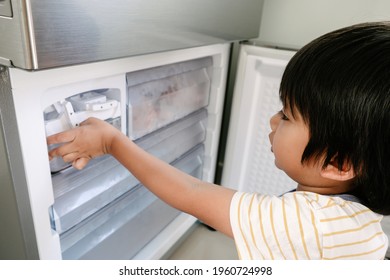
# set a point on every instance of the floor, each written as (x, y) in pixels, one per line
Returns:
(386, 229)
(203, 243)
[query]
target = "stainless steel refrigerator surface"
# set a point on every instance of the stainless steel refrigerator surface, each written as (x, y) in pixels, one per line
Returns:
(38, 34)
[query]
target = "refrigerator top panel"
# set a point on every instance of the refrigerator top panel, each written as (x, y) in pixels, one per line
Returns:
(39, 34)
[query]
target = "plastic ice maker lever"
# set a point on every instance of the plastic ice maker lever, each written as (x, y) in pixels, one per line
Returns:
(81, 107)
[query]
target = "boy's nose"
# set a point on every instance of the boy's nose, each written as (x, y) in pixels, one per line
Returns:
(274, 121)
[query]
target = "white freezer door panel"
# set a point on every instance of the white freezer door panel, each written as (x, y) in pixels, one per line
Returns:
(249, 162)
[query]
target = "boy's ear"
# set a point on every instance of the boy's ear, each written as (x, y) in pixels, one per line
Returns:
(331, 171)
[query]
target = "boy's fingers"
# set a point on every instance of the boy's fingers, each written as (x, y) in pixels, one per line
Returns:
(70, 157)
(63, 137)
(80, 163)
(61, 151)
(87, 121)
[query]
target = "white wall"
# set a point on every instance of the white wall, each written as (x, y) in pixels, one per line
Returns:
(293, 23)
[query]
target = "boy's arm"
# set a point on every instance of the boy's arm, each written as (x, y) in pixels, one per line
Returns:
(208, 202)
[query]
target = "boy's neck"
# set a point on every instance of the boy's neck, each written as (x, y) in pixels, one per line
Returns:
(344, 187)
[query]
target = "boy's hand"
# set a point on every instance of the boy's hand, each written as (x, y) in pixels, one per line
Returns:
(93, 138)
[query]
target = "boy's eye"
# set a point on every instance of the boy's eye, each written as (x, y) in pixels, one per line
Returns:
(283, 115)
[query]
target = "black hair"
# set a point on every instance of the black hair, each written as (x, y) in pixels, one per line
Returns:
(340, 84)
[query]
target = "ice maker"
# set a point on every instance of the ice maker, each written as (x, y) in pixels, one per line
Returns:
(70, 112)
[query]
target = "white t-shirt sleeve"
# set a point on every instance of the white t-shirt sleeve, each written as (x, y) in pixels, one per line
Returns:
(304, 225)
(271, 227)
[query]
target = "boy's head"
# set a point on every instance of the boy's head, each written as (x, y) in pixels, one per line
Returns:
(340, 85)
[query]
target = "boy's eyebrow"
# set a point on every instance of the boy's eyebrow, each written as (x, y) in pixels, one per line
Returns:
(289, 113)
(283, 111)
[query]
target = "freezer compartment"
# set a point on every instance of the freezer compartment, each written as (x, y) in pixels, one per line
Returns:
(79, 194)
(159, 96)
(70, 112)
(122, 228)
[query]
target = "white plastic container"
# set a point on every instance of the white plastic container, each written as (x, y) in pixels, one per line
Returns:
(97, 237)
(159, 96)
(79, 194)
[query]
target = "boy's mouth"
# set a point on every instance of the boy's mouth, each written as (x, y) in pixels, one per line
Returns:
(271, 136)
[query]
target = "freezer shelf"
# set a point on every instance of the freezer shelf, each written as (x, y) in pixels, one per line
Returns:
(161, 95)
(79, 194)
(114, 232)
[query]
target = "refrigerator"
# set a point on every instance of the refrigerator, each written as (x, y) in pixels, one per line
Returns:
(179, 78)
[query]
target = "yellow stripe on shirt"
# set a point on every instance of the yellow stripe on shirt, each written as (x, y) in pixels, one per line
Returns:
(356, 255)
(353, 229)
(287, 230)
(262, 228)
(313, 222)
(301, 227)
(345, 216)
(273, 231)
(240, 224)
(250, 224)
(354, 243)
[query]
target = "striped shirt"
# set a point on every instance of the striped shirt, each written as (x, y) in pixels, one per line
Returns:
(305, 225)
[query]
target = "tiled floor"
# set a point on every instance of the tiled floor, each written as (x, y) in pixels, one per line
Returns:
(205, 244)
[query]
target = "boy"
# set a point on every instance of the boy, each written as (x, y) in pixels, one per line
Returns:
(331, 137)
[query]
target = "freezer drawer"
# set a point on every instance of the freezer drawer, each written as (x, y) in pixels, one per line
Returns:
(172, 141)
(159, 96)
(122, 228)
(78, 194)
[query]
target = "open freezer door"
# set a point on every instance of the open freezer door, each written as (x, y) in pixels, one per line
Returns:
(249, 162)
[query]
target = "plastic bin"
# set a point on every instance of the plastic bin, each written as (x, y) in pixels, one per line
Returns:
(119, 222)
(79, 194)
(161, 95)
